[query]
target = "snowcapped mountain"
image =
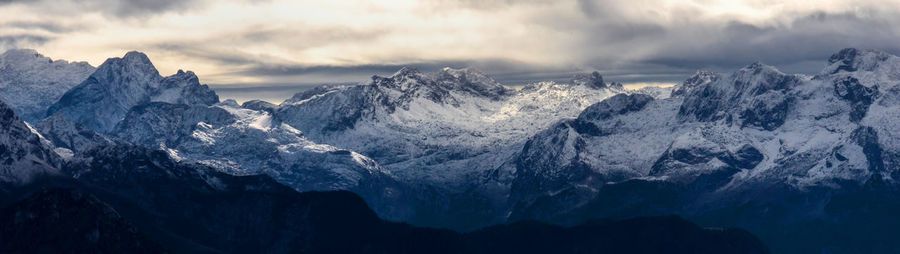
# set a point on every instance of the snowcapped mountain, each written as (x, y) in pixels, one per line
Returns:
(772, 152)
(31, 82)
(126, 100)
(727, 148)
(101, 100)
(446, 128)
(197, 174)
(24, 154)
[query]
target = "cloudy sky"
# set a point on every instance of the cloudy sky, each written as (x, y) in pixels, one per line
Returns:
(271, 43)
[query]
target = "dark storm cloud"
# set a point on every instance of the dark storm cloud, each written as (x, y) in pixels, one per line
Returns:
(806, 40)
(794, 48)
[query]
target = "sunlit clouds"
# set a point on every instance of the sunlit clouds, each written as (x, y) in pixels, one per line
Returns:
(274, 42)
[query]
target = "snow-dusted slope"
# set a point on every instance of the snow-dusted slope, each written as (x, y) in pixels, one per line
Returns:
(121, 83)
(749, 130)
(30, 82)
(69, 136)
(446, 128)
(245, 141)
(23, 153)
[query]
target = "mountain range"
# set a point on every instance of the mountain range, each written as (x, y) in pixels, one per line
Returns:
(807, 156)
(112, 196)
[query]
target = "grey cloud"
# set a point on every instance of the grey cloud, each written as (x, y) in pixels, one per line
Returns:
(506, 72)
(625, 49)
(206, 48)
(808, 39)
(307, 37)
(116, 8)
(45, 25)
(21, 41)
(483, 4)
(132, 7)
(280, 72)
(603, 35)
(670, 51)
(202, 51)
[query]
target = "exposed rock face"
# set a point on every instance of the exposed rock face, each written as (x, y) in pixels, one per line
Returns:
(24, 154)
(616, 105)
(593, 80)
(758, 94)
(852, 60)
(860, 97)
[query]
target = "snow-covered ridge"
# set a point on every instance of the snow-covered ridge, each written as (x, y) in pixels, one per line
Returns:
(31, 82)
(752, 128)
(432, 126)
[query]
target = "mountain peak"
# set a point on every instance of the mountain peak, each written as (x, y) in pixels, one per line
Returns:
(470, 80)
(28, 58)
(133, 63)
(136, 56)
(121, 83)
(852, 59)
(756, 70)
(847, 54)
(699, 78)
(760, 77)
(461, 72)
(406, 71)
(185, 75)
(592, 80)
(758, 66)
(21, 53)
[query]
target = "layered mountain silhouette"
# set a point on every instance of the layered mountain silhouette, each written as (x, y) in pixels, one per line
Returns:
(807, 156)
(74, 189)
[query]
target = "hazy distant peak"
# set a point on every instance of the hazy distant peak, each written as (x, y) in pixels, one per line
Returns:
(852, 59)
(592, 80)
